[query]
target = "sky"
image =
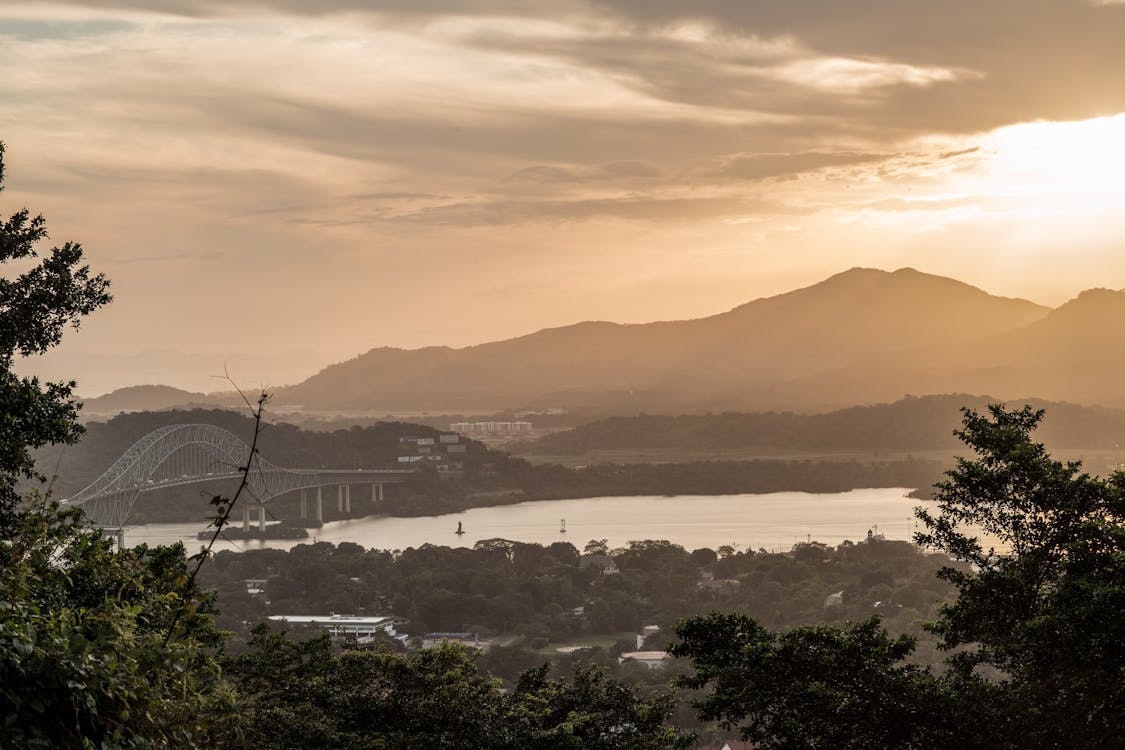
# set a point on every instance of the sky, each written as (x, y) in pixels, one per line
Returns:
(283, 184)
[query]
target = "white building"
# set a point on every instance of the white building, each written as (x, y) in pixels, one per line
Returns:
(491, 428)
(651, 659)
(342, 626)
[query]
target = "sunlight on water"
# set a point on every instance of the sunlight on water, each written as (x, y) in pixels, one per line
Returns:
(772, 521)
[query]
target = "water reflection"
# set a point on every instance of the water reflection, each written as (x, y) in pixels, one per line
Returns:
(772, 521)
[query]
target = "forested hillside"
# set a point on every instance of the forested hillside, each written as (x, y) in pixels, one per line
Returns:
(912, 424)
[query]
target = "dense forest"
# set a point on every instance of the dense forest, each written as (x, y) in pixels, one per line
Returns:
(555, 594)
(924, 423)
(525, 601)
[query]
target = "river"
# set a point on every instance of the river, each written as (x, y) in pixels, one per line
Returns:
(772, 521)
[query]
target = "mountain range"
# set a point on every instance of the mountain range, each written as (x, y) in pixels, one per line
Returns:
(861, 336)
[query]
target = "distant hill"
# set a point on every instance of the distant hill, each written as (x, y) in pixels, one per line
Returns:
(1074, 353)
(863, 336)
(142, 398)
(796, 350)
(911, 424)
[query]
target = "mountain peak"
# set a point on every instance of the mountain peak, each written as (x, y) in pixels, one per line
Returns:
(856, 318)
(1098, 305)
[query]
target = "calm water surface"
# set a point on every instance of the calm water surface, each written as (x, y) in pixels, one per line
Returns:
(773, 521)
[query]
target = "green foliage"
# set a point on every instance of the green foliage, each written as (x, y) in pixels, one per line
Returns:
(545, 482)
(35, 307)
(818, 687)
(82, 658)
(1047, 610)
(304, 695)
(589, 712)
(911, 424)
(1043, 617)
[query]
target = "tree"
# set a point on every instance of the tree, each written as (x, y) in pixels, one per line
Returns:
(1044, 603)
(36, 306)
(83, 661)
(826, 687)
(305, 695)
(589, 712)
(1039, 611)
(82, 656)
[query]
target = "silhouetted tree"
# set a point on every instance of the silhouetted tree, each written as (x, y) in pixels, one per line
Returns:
(1043, 613)
(82, 658)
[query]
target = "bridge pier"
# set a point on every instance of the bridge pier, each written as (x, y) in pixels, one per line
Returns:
(347, 498)
(245, 518)
(376, 493)
(116, 533)
(262, 517)
(339, 498)
(304, 504)
(320, 504)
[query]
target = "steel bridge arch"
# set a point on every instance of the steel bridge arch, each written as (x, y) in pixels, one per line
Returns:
(110, 498)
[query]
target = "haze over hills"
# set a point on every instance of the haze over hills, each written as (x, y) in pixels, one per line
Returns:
(773, 352)
(861, 336)
(142, 398)
(101, 373)
(921, 424)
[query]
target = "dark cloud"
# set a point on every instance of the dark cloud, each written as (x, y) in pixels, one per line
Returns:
(211, 255)
(27, 28)
(619, 148)
(638, 169)
(398, 196)
(205, 8)
(763, 166)
(618, 171)
(1016, 60)
(1054, 59)
(505, 212)
(961, 152)
(542, 174)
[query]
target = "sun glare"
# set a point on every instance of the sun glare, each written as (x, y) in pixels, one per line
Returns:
(1074, 161)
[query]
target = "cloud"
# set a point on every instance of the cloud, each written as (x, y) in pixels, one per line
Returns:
(542, 173)
(419, 143)
(35, 28)
(618, 171)
(636, 208)
(174, 257)
(763, 166)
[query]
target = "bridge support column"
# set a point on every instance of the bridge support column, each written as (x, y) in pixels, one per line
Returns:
(304, 504)
(245, 517)
(339, 498)
(320, 504)
(262, 517)
(347, 498)
(120, 539)
(376, 493)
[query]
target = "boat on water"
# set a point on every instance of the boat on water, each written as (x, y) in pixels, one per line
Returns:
(460, 530)
(562, 526)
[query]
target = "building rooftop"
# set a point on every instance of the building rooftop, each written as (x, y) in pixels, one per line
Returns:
(646, 655)
(332, 619)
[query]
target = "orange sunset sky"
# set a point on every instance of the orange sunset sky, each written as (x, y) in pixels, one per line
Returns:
(263, 177)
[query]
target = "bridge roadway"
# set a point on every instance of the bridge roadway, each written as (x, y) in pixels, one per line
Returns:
(178, 455)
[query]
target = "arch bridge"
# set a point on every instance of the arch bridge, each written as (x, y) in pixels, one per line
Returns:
(184, 454)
